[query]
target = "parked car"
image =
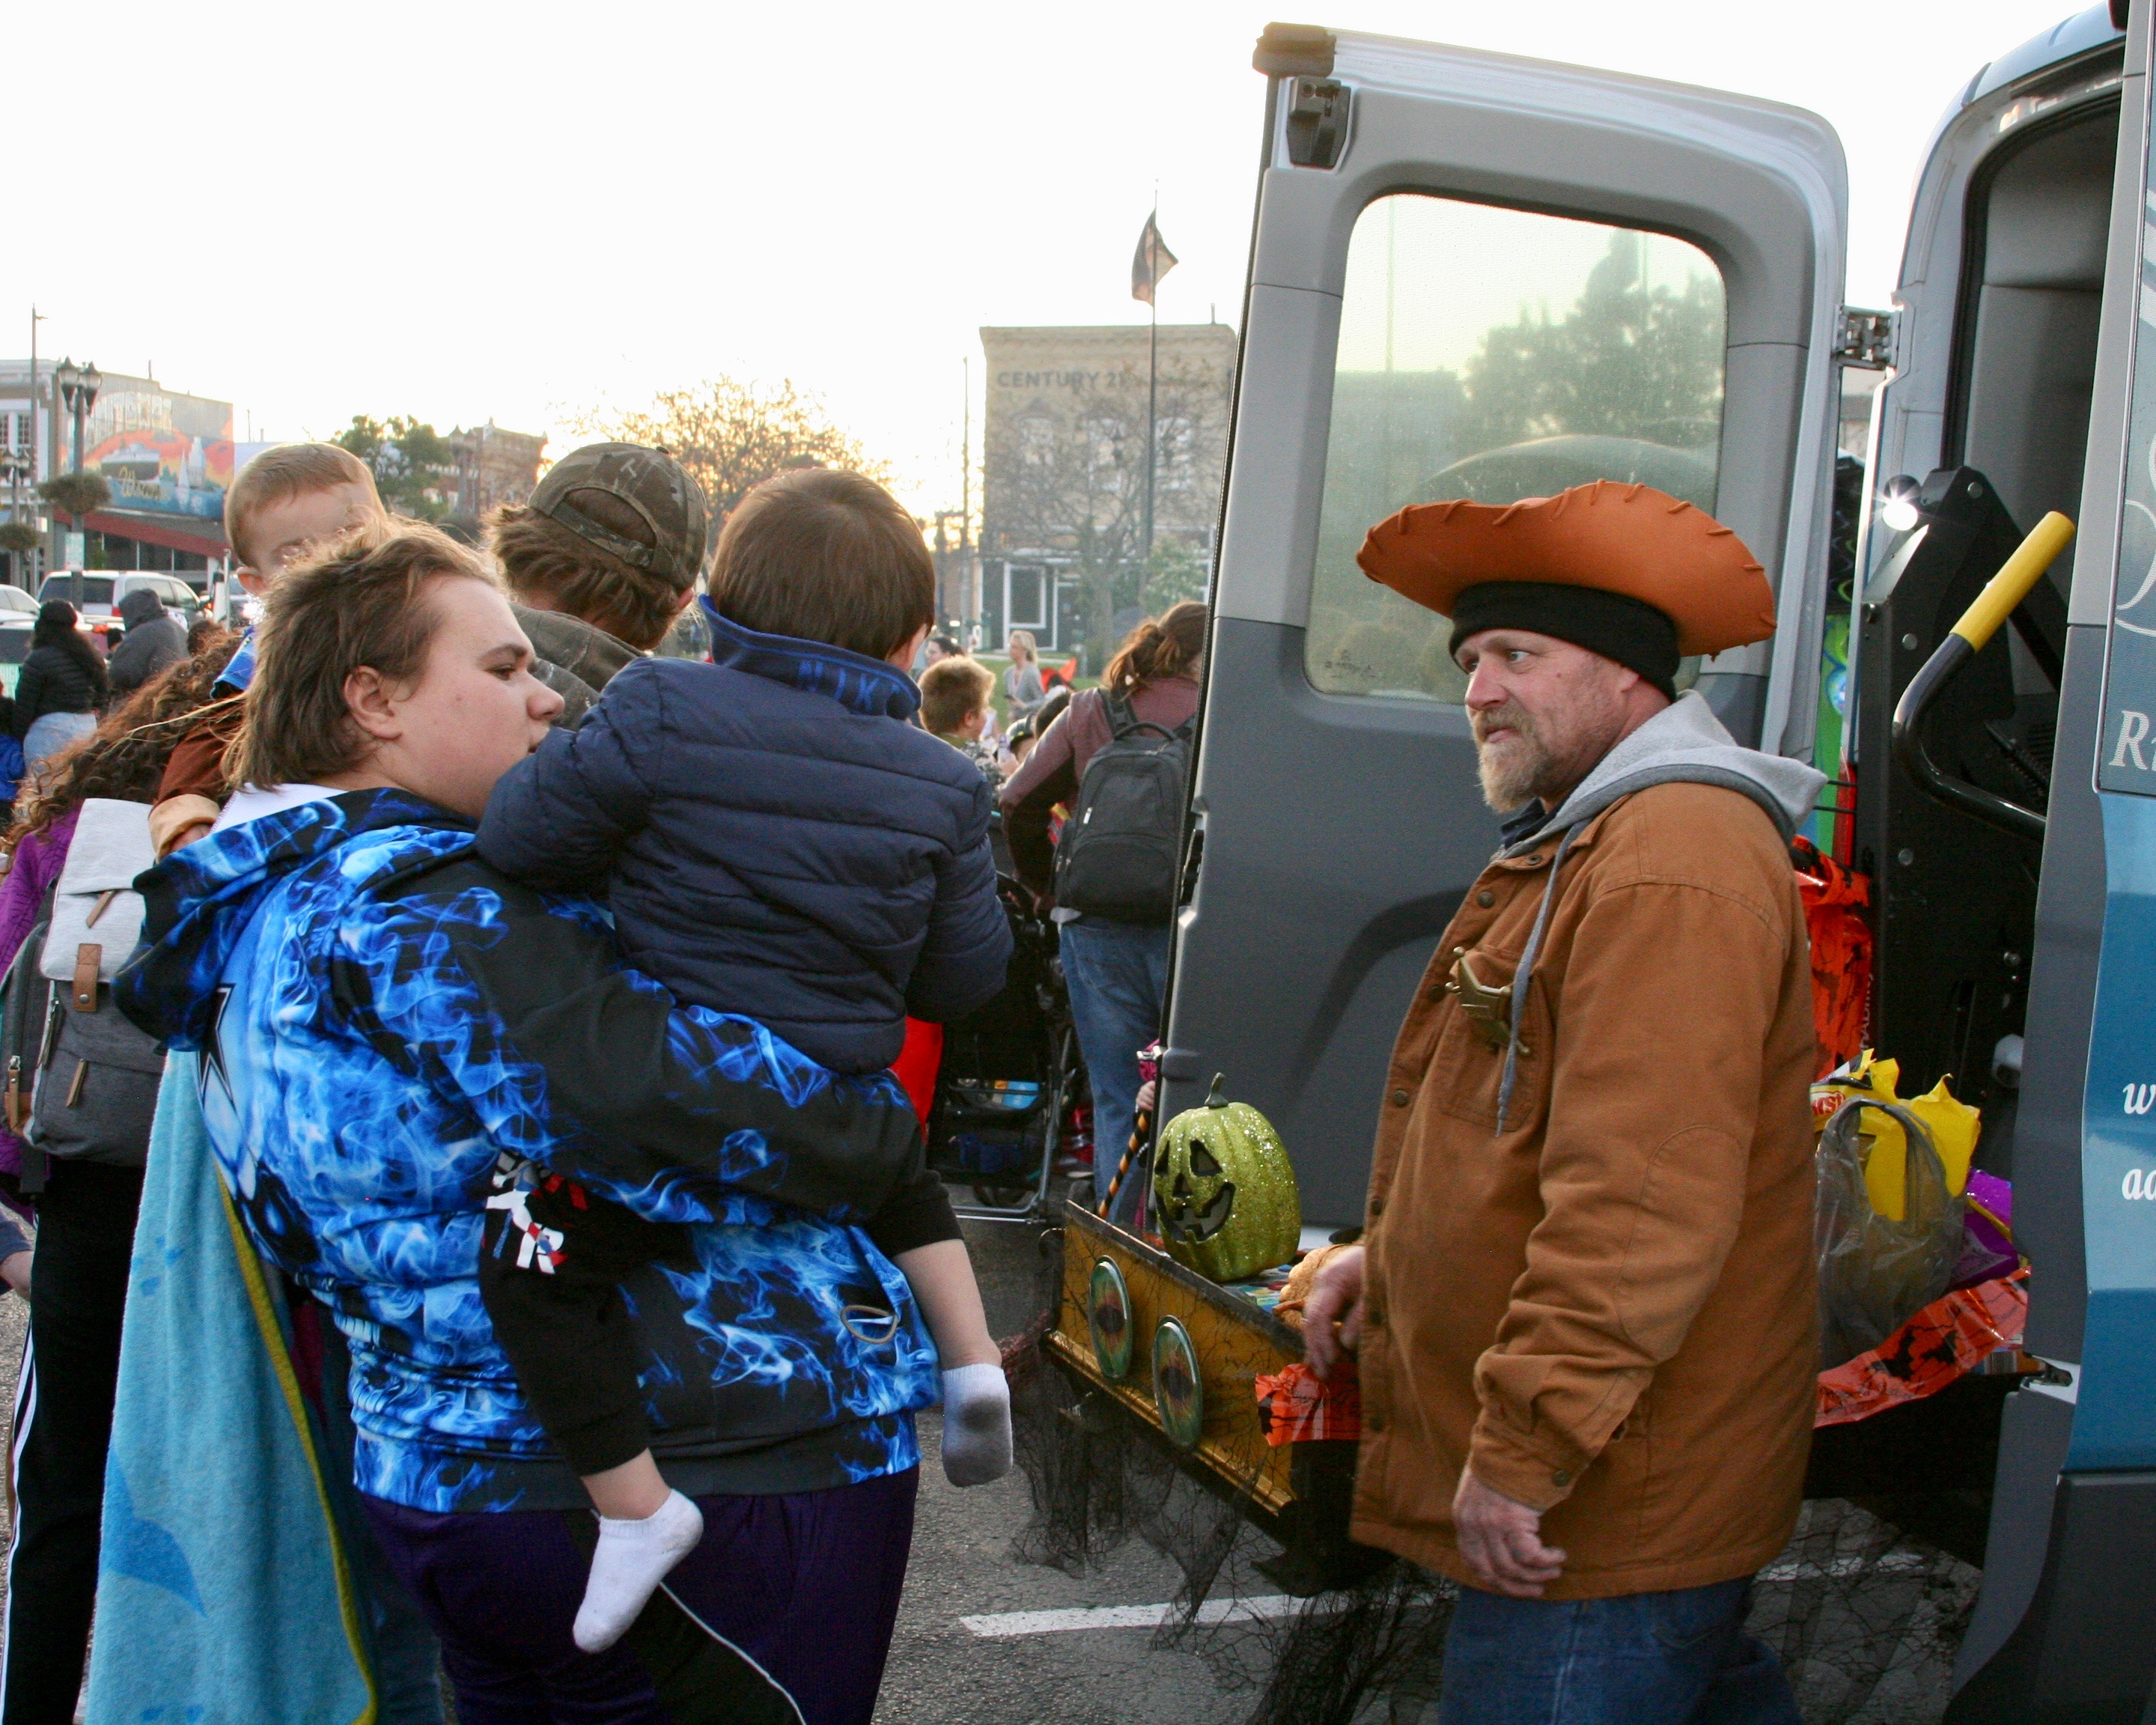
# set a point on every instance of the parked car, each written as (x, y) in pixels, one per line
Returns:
(96, 593)
(13, 599)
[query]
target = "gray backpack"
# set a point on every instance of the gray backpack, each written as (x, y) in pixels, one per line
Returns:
(81, 1081)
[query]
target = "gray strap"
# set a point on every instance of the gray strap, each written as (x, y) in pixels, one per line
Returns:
(1524, 975)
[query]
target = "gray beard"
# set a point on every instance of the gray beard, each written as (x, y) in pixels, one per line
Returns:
(1515, 781)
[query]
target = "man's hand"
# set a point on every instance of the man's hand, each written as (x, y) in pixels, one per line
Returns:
(15, 1272)
(1336, 1295)
(1501, 1540)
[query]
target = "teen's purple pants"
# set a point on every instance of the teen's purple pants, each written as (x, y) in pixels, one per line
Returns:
(787, 1603)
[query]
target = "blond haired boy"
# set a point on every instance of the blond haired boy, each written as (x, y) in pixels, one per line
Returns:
(954, 706)
(284, 501)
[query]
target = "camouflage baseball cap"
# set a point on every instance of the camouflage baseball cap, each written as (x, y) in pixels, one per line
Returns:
(656, 488)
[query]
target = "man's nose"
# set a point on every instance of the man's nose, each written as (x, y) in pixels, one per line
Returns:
(545, 703)
(1485, 688)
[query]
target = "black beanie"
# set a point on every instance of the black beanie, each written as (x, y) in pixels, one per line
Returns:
(1630, 631)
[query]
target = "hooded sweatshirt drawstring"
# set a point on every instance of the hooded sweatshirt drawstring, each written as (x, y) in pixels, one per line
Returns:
(1525, 974)
(1683, 744)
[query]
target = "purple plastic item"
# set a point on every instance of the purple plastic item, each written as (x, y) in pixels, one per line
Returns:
(1987, 1250)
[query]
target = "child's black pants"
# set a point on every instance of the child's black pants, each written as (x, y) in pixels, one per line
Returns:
(569, 1335)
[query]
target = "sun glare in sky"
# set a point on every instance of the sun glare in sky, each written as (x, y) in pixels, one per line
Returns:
(470, 212)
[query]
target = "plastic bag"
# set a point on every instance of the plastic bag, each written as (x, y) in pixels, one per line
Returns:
(1876, 1271)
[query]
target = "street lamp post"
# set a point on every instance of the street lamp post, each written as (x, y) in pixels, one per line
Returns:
(78, 387)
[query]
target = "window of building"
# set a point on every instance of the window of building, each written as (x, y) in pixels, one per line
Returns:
(1036, 436)
(1105, 442)
(1496, 354)
(1178, 449)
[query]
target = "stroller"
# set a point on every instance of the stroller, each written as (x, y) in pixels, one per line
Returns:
(1011, 1083)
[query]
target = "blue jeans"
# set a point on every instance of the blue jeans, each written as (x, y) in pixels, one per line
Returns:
(1679, 1658)
(48, 735)
(1118, 976)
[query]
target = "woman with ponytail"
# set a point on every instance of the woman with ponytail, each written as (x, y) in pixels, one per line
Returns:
(1117, 971)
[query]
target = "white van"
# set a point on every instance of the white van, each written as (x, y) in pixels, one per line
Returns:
(1688, 245)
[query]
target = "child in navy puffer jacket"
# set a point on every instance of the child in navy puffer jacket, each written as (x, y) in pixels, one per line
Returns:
(779, 841)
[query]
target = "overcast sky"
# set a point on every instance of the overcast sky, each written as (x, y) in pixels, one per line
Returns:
(464, 212)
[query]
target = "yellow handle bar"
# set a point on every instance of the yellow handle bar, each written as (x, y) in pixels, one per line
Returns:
(2016, 575)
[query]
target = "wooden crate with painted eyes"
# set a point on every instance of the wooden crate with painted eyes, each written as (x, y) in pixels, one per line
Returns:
(1178, 1353)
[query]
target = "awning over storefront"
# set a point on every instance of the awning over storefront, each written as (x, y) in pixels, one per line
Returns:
(204, 537)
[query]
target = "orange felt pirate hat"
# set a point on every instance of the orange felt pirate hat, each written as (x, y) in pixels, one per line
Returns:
(1632, 540)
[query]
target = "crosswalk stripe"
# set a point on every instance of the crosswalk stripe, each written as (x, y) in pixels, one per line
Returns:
(1109, 1617)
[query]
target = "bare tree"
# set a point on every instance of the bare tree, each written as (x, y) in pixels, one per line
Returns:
(1072, 485)
(733, 434)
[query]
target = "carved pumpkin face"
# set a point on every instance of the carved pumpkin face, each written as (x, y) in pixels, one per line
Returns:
(1223, 1191)
(1196, 1198)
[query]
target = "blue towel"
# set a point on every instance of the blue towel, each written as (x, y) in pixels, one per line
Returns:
(223, 1590)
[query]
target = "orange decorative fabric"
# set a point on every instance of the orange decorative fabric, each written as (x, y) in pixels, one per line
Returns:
(1841, 954)
(1296, 1406)
(1623, 539)
(1951, 1336)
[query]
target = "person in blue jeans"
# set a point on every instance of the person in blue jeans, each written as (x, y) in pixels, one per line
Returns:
(1118, 972)
(1583, 1305)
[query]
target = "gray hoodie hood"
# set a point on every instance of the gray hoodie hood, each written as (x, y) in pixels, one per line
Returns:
(1685, 744)
(1682, 744)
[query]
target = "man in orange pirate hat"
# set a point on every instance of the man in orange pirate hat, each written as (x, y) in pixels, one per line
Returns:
(1584, 1308)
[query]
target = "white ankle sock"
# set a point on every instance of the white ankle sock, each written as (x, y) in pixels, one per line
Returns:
(977, 1425)
(631, 1559)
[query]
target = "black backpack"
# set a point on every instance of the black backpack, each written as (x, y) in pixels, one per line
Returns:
(1117, 855)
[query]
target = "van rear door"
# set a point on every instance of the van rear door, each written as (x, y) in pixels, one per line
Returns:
(1472, 275)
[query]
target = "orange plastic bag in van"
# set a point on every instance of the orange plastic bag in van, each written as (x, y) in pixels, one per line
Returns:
(1948, 1339)
(1841, 953)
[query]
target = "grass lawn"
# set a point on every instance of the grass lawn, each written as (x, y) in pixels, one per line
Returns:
(1000, 662)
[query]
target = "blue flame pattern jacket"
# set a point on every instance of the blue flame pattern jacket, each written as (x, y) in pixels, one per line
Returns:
(381, 1016)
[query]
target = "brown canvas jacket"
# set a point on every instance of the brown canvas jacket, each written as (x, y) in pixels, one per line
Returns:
(1609, 1305)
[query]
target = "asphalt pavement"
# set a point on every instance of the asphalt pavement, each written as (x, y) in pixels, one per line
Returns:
(983, 1639)
(1003, 1667)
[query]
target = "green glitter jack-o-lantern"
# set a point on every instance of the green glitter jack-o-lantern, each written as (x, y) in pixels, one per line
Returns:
(1224, 1191)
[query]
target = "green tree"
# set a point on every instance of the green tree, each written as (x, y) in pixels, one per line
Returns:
(734, 433)
(1628, 360)
(409, 461)
(1174, 572)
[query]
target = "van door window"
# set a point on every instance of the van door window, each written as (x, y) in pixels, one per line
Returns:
(1497, 354)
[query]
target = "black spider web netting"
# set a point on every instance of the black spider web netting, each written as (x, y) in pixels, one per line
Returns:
(1865, 1614)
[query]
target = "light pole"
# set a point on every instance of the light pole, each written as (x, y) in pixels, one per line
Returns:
(78, 387)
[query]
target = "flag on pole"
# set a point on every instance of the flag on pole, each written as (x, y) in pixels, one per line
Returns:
(1153, 261)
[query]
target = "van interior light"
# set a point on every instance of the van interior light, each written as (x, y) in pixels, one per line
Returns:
(1898, 514)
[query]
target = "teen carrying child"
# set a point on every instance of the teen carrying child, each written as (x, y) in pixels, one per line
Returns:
(778, 842)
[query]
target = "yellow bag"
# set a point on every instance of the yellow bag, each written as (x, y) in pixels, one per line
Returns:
(1953, 1126)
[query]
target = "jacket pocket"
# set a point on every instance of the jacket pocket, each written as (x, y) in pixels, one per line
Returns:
(98, 1095)
(1467, 1067)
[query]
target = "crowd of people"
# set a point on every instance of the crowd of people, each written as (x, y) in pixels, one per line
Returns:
(482, 1234)
(533, 998)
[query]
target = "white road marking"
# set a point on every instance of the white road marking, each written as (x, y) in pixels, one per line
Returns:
(1107, 1617)
(1892, 1563)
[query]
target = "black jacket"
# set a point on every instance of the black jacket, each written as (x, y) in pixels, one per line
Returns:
(53, 681)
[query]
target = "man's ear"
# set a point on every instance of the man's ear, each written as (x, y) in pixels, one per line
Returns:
(371, 701)
(253, 580)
